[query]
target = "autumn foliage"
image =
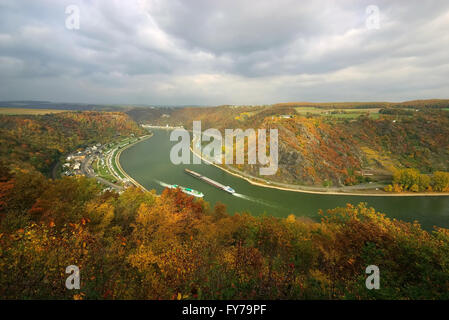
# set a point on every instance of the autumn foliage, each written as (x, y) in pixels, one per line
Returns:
(412, 180)
(137, 245)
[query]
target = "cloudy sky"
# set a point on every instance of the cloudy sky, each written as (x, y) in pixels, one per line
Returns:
(211, 52)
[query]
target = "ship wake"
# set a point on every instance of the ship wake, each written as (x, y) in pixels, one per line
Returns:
(256, 200)
(163, 184)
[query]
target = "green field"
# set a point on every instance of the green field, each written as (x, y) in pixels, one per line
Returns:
(339, 113)
(23, 111)
(114, 164)
(103, 172)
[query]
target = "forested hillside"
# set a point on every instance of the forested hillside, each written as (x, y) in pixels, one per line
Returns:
(316, 150)
(338, 144)
(139, 246)
(40, 140)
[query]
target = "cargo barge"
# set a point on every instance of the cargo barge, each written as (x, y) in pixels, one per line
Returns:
(210, 181)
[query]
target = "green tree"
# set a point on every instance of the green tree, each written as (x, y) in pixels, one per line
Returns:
(440, 181)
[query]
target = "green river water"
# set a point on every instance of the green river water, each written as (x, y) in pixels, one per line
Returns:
(149, 163)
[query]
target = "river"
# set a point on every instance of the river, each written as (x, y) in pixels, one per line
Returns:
(149, 163)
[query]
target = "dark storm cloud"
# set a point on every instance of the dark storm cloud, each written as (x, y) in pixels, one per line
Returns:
(213, 52)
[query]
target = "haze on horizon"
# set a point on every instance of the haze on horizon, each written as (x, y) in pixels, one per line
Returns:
(223, 52)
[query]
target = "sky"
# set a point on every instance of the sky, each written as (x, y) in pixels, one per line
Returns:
(214, 52)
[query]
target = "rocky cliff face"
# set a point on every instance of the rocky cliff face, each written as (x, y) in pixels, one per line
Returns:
(313, 153)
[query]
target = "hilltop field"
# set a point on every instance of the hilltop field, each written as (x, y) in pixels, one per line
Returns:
(19, 111)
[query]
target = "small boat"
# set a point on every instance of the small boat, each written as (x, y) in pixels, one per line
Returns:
(229, 189)
(188, 191)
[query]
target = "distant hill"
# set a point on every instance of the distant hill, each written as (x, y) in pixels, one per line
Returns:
(153, 113)
(52, 105)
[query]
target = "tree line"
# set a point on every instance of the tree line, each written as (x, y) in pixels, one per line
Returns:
(414, 181)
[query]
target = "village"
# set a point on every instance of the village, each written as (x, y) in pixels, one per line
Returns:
(100, 161)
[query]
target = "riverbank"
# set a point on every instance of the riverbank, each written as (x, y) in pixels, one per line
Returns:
(119, 166)
(294, 188)
(340, 192)
(167, 127)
